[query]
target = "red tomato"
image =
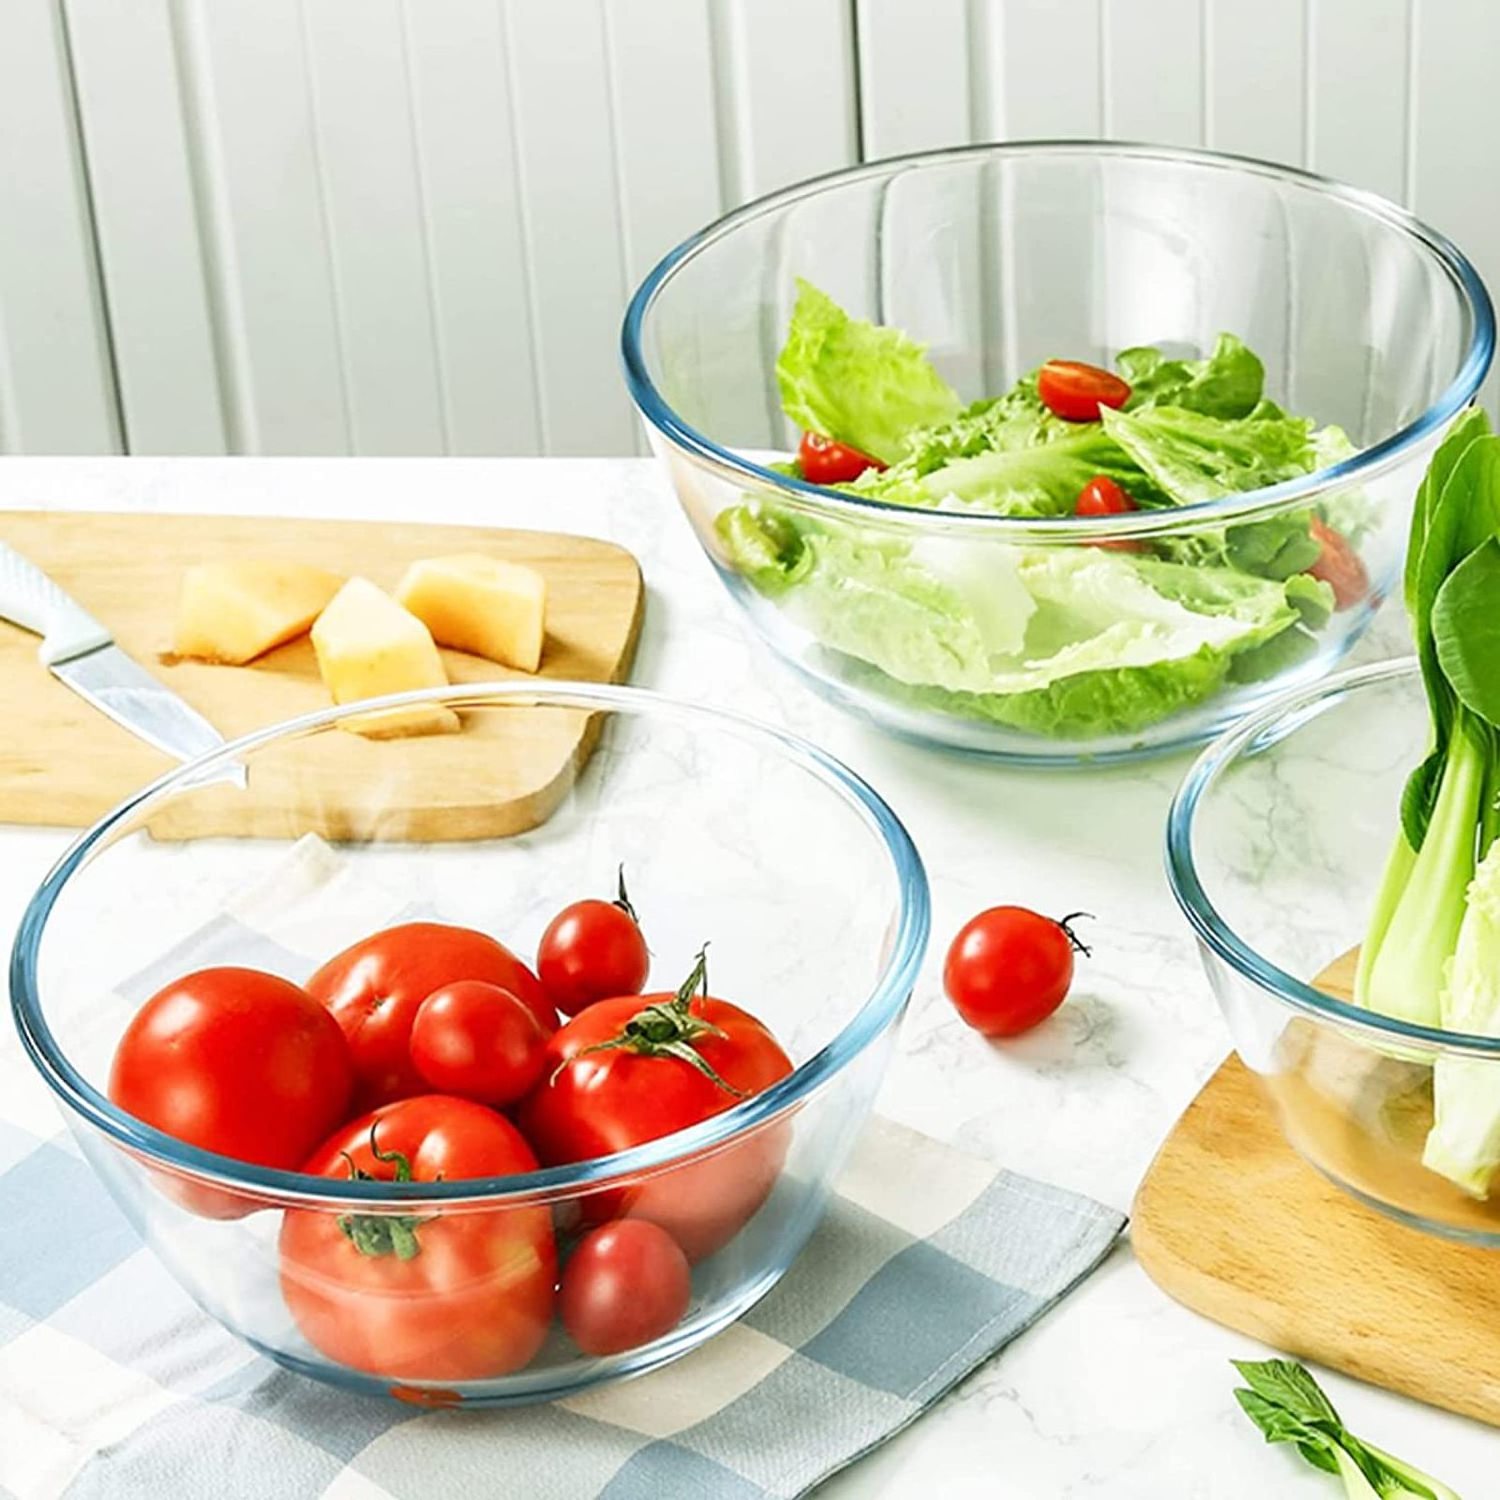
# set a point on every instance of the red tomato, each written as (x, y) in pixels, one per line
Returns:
(478, 1041)
(458, 1293)
(824, 461)
(1075, 391)
(1339, 566)
(238, 1062)
(624, 1285)
(630, 1070)
(1009, 968)
(374, 988)
(593, 950)
(1101, 496)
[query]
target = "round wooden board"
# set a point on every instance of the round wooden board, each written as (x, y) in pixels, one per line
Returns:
(1232, 1223)
(63, 763)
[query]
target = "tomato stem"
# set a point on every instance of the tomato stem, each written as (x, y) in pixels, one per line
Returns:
(668, 1028)
(382, 1234)
(622, 900)
(1079, 946)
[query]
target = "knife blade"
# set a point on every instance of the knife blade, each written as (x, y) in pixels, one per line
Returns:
(81, 653)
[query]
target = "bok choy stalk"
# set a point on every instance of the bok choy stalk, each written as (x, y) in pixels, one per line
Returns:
(1432, 951)
(1289, 1406)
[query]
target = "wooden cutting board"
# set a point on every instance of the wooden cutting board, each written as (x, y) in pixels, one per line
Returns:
(64, 763)
(1231, 1222)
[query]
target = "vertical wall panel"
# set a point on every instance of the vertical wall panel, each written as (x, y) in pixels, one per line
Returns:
(1033, 96)
(559, 79)
(130, 110)
(1455, 156)
(476, 259)
(1357, 86)
(1256, 74)
(914, 74)
(267, 241)
(784, 70)
(1153, 70)
(56, 386)
(374, 211)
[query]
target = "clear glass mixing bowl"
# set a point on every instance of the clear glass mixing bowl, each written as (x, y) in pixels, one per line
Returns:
(807, 889)
(998, 258)
(1276, 844)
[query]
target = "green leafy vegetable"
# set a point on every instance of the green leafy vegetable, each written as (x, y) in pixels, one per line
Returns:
(857, 382)
(1228, 383)
(1448, 810)
(1281, 1397)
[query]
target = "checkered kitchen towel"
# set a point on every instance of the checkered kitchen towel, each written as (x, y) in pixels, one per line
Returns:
(114, 1386)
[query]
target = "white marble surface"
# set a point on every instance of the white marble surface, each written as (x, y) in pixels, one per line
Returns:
(1119, 1393)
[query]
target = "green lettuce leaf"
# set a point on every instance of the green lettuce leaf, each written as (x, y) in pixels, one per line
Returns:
(857, 382)
(1073, 641)
(1229, 383)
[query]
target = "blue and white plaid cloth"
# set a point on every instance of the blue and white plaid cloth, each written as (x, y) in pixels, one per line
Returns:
(113, 1384)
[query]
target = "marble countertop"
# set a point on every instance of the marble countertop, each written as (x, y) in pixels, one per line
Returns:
(1120, 1393)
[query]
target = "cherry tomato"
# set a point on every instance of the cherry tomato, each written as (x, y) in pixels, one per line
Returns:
(824, 461)
(593, 950)
(1101, 496)
(624, 1285)
(1338, 566)
(1075, 391)
(449, 1294)
(1009, 968)
(632, 1069)
(478, 1041)
(375, 987)
(238, 1062)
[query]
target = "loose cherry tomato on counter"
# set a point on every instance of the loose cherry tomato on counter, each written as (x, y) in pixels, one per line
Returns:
(632, 1069)
(1101, 496)
(1075, 391)
(462, 1293)
(1338, 566)
(238, 1062)
(824, 461)
(374, 989)
(1010, 968)
(593, 950)
(624, 1285)
(478, 1041)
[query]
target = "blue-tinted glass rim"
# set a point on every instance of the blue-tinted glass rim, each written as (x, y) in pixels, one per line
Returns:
(881, 1008)
(1363, 465)
(1261, 730)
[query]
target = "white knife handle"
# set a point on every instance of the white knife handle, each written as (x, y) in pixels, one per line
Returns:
(34, 602)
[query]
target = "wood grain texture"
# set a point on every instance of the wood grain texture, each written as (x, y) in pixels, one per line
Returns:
(62, 762)
(1232, 1223)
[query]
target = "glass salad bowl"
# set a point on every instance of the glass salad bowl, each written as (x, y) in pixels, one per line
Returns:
(1276, 846)
(805, 887)
(972, 592)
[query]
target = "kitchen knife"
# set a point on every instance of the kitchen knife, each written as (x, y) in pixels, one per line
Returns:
(79, 651)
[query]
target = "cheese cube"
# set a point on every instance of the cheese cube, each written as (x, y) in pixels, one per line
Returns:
(480, 604)
(234, 611)
(368, 645)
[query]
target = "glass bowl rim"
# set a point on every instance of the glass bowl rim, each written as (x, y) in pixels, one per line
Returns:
(881, 1007)
(1363, 465)
(1266, 727)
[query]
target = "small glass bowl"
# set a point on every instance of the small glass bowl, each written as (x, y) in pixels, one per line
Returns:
(1276, 844)
(999, 257)
(808, 890)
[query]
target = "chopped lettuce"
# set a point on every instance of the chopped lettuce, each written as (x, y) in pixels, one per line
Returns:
(1229, 383)
(857, 382)
(1062, 640)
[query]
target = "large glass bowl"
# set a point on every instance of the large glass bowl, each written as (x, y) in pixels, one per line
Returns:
(1276, 844)
(998, 258)
(806, 888)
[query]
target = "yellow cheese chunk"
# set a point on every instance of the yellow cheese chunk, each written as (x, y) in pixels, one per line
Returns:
(368, 645)
(480, 604)
(234, 611)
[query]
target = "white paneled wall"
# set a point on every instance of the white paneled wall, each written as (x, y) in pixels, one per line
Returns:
(410, 226)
